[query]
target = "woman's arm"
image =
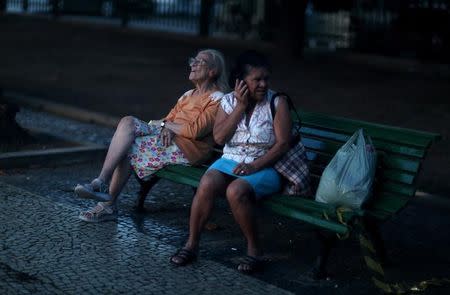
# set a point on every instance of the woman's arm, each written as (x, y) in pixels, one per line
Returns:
(200, 126)
(171, 115)
(282, 127)
(226, 124)
(174, 127)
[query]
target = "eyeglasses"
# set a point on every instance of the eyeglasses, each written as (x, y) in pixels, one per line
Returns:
(196, 62)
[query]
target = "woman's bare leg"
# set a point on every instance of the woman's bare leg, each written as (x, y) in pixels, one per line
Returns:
(118, 149)
(240, 197)
(119, 178)
(212, 184)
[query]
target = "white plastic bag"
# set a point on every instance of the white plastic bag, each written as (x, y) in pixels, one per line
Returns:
(347, 180)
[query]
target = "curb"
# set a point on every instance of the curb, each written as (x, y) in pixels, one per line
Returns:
(64, 110)
(52, 157)
(83, 152)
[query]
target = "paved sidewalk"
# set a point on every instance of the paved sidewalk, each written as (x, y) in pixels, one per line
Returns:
(44, 245)
(48, 250)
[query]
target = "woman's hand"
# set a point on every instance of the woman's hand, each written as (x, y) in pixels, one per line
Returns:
(166, 137)
(241, 92)
(244, 169)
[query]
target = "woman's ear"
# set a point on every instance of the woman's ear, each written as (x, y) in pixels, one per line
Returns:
(212, 73)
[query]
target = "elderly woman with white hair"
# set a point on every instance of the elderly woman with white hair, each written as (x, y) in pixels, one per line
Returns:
(184, 136)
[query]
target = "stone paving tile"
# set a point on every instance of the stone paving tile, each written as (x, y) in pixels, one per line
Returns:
(45, 249)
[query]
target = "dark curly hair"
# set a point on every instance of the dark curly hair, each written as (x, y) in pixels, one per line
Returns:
(247, 59)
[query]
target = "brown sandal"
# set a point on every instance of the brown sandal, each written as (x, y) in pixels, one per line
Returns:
(249, 264)
(185, 257)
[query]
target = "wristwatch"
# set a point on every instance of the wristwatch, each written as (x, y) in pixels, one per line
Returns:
(163, 123)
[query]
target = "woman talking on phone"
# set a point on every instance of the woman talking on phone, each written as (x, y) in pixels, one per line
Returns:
(253, 141)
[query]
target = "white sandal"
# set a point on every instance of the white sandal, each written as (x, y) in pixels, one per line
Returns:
(96, 190)
(101, 212)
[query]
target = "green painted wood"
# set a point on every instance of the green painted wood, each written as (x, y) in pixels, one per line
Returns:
(318, 158)
(388, 133)
(388, 202)
(397, 162)
(397, 176)
(321, 145)
(190, 171)
(323, 151)
(179, 178)
(379, 144)
(397, 188)
(303, 203)
(388, 174)
(299, 215)
(313, 208)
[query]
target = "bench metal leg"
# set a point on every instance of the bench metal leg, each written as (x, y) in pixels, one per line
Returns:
(327, 241)
(369, 236)
(146, 186)
(373, 232)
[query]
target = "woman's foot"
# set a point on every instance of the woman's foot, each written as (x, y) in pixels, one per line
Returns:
(183, 257)
(101, 212)
(251, 264)
(97, 190)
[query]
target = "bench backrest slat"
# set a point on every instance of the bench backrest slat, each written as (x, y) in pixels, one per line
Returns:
(397, 176)
(376, 131)
(311, 133)
(389, 203)
(323, 152)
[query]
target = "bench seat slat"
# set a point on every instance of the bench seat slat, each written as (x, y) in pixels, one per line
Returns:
(303, 203)
(191, 171)
(179, 178)
(300, 215)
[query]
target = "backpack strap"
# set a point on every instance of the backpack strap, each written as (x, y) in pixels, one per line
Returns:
(290, 104)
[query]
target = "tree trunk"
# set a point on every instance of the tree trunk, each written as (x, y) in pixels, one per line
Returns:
(11, 134)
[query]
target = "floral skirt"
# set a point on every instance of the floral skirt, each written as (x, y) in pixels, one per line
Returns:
(148, 155)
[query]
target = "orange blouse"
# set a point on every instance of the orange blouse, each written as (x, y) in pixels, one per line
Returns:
(197, 114)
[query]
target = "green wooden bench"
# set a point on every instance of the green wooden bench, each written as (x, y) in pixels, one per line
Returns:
(400, 154)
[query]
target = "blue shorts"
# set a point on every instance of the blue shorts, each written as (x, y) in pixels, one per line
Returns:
(264, 182)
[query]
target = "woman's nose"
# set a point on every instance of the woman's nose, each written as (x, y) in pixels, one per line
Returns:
(262, 83)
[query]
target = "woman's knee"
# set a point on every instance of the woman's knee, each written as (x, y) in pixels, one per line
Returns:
(126, 124)
(238, 193)
(209, 184)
